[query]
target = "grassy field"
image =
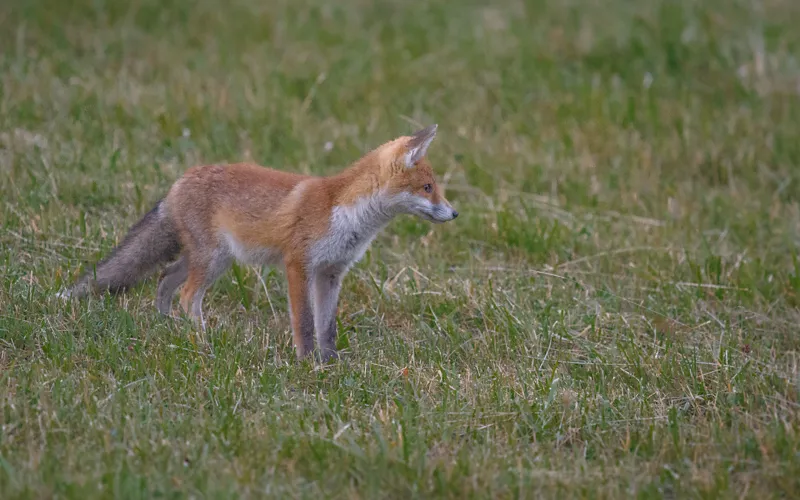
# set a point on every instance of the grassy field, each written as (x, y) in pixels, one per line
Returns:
(613, 314)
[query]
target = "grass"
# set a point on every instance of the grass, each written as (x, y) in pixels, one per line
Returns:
(613, 314)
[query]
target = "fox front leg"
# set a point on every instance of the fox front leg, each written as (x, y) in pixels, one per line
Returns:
(327, 285)
(300, 309)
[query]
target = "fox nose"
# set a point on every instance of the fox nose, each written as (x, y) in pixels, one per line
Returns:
(455, 214)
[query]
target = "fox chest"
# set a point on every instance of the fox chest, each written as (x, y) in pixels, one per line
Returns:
(341, 248)
(348, 237)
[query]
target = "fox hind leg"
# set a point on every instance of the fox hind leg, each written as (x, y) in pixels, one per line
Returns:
(174, 276)
(201, 276)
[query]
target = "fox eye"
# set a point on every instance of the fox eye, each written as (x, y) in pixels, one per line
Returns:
(428, 188)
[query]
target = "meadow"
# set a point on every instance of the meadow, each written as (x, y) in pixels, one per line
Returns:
(614, 313)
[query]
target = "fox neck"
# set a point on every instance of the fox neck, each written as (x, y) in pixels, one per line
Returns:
(366, 178)
(353, 227)
(367, 216)
(362, 206)
(369, 213)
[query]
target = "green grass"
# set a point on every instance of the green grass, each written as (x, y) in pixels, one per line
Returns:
(614, 314)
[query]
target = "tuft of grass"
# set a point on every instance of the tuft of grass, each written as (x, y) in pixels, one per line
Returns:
(614, 314)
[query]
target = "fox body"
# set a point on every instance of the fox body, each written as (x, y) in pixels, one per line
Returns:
(315, 227)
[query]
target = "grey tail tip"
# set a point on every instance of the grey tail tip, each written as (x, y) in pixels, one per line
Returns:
(71, 292)
(64, 294)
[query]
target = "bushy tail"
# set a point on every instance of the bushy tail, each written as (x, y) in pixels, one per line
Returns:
(150, 242)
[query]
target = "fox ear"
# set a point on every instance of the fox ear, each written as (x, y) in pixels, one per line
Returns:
(418, 145)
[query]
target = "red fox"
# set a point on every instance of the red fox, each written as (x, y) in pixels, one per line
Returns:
(316, 227)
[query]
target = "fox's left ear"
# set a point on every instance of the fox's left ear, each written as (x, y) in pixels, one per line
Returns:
(418, 145)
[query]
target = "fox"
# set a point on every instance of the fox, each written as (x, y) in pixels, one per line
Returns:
(314, 227)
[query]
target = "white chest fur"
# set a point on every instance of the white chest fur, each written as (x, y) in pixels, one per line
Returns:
(352, 229)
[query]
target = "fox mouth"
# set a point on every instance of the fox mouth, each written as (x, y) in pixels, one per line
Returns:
(431, 217)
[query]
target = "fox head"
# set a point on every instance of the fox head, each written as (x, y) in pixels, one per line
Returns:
(412, 183)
